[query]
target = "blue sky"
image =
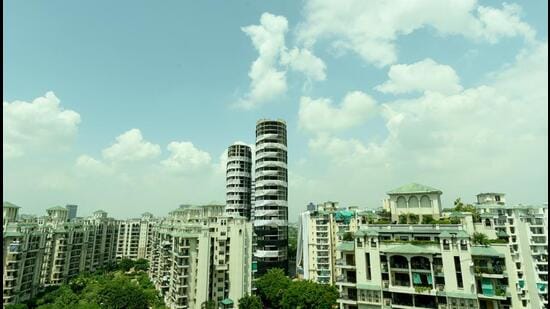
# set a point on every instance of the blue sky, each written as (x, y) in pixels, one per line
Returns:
(179, 71)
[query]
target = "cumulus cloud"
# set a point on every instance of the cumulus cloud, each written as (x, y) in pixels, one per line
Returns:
(38, 125)
(494, 129)
(130, 146)
(370, 28)
(303, 60)
(185, 157)
(268, 71)
(319, 115)
(86, 165)
(425, 75)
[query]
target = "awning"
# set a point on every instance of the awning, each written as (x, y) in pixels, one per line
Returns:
(487, 287)
(416, 278)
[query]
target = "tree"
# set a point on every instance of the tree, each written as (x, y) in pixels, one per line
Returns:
(141, 264)
(480, 239)
(16, 306)
(413, 219)
(250, 302)
(348, 236)
(403, 219)
(125, 264)
(272, 286)
(209, 305)
(309, 295)
(427, 219)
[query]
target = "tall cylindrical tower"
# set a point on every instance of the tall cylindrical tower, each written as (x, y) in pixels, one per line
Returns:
(238, 180)
(271, 196)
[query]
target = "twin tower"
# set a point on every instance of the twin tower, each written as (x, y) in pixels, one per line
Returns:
(262, 196)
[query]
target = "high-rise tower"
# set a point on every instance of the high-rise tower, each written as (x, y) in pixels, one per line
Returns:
(271, 196)
(238, 180)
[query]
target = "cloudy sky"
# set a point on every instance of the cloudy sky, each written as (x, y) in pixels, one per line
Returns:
(129, 106)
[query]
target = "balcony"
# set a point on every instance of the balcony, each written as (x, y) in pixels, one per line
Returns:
(342, 263)
(343, 279)
(490, 272)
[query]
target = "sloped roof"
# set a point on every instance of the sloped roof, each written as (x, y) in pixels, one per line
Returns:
(414, 188)
(410, 249)
(10, 205)
(57, 208)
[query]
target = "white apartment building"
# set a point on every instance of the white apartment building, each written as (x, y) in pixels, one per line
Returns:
(525, 231)
(318, 231)
(200, 254)
(51, 250)
(133, 238)
(414, 198)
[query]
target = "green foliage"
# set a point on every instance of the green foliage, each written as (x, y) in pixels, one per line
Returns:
(422, 289)
(309, 295)
(402, 219)
(209, 305)
(16, 306)
(125, 264)
(459, 206)
(382, 221)
(102, 290)
(278, 292)
(141, 264)
(292, 241)
(272, 286)
(250, 302)
(413, 219)
(498, 241)
(348, 236)
(427, 219)
(480, 239)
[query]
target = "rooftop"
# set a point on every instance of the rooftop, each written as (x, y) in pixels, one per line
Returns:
(10, 205)
(410, 249)
(486, 251)
(414, 188)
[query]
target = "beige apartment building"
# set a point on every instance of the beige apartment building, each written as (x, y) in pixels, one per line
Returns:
(199, 253)
(435, 265)
(134, 237)
(50, 250)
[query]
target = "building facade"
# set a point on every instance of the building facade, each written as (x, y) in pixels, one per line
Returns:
(271, 196)
(238, 180)
(133, 239)
(48, 251)
(201, 254)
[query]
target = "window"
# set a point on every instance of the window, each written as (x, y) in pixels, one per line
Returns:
(401, 202)
(425, 202)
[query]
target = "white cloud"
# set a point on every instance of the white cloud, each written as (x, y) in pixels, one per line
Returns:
(425, 75)
(269, 40)
(303, 60)
(370, 28)
(86, 165)
(268, 71)
(130, 146)
(185, 157)
(39, 125)
(318, 115)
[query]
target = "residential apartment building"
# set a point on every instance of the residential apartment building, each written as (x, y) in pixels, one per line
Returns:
(318, 230)
(239, 180)
(133, 239)
(271, 196)
(50, 250)
(438, 265)
(198, 254)
(524, 228)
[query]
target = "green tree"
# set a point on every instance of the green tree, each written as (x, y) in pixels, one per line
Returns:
(427, 219)
(403, 219)
(141, 264)
(480, 239)
(250, 302)
(309, 295)
(121, 293)
(413, 218)
(16, 306)
(209, 305)
(272, 286)
(125, 264)
(348, 236)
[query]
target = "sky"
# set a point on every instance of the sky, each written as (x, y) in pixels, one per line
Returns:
(129, 106)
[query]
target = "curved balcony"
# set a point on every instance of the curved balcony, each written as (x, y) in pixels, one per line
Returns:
(271, 163)
(271, 145)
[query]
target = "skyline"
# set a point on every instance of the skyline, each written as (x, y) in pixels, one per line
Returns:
(137, 103)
